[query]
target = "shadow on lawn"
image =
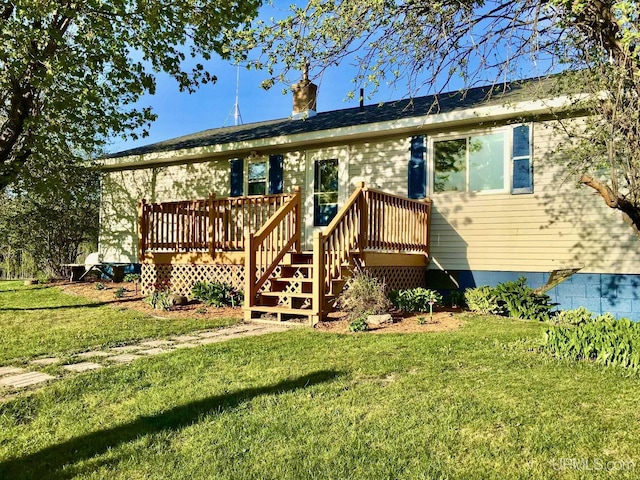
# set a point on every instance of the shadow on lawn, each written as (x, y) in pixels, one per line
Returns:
(62, 307)
(50, 462)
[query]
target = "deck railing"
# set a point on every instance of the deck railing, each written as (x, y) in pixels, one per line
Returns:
(207, 225)
(268, 246)
(369, 220)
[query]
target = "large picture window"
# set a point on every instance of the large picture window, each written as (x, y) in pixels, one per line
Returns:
(475, 163)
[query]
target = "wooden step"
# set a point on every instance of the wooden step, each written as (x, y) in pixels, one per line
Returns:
(292, 279)
(287, 294)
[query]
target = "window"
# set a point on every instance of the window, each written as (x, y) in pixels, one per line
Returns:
(325, 191)
(475, 163)
(257, 179)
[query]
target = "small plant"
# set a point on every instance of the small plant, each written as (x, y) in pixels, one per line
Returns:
(99, 286)
(416, 299)
(422, 320)
(577, 316)
(201, 310)
(365, 296)
(603, 340)
(131, 277)
(483, 300)
(159, 300)
(456, 299)
(217, 294)
(119, 293)
(358, 325)
(521, 301)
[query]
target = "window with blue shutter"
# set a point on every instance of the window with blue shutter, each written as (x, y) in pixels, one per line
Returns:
(275, 173)
(522, 181)
(236, 177)
(417, 176)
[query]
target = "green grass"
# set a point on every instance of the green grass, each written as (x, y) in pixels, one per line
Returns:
(475, 403)
(41, 320)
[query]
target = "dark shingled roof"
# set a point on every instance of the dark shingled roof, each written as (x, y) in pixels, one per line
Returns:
(388, 111)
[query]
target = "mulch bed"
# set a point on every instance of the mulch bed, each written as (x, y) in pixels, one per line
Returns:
(442, 321)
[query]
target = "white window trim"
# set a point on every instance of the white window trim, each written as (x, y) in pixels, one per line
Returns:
(507, 167)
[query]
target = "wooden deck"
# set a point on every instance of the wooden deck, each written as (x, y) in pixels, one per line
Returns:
(262, 235)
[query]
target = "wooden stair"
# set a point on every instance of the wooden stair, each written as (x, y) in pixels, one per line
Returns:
(288, 296)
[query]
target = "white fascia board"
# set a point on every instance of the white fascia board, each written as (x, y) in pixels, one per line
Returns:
(336, 135)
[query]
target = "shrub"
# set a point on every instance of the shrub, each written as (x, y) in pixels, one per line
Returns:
(99, 286)
(603, 340)
(456, 299)
(521, 301)
(119, 293)
(483, 300)
(217, 294)
(578, 316)
(365, 296)
(159, 300)
(415, 299)
(358, 325)
(131, 277)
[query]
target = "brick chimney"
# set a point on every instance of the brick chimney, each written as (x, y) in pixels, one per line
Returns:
(305, 94)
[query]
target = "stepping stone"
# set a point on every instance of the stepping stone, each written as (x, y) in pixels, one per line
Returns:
(186, 345)
(25, 379)
(126, 348)
(157, 343)
(82, 367)
(45, 361)
(208, 340)
(97, 353)
(124, 358)
(154, 351)
(184, 338)
(10, 370)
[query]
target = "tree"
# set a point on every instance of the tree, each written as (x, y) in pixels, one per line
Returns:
(434, 45)
(71, 71)
(49, 219)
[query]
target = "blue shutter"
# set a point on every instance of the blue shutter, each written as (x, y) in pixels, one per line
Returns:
(417, 178)
(275, 173)
(236, 177)
(522, 181)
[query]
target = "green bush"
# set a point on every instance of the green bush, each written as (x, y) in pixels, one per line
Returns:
(578, 316)
(131, 277)
(483, 300)
(217, 294)
(415, 299)
(358, 325)
(603, 340)
(521, 301)
(514, 299)
(364, 296)
(119, 293)
(159, 300)
(99, 286)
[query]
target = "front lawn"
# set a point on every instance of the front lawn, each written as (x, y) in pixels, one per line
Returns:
(473, 403)
(41, 320)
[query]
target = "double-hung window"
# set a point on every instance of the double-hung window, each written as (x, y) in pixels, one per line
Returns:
(257, 178)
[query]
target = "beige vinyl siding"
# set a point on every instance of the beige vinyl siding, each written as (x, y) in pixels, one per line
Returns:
(559, 225)
(381, 164)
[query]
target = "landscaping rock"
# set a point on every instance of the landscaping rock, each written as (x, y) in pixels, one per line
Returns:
(177, 299)
(379, 319)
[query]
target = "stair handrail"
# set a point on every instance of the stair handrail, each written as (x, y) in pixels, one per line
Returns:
(267, 247)
(333, 246)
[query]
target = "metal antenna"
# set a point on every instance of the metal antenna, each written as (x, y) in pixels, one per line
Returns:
(237, 116)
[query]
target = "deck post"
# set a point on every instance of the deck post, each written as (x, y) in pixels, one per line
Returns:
(298, 218)
(249, 276)
(364, 219)
(318, 278)
(212, 219)
(142, 228)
